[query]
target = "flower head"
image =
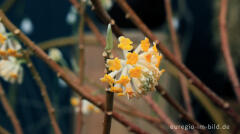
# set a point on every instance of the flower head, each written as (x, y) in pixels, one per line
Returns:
(114, 64)
(55, 54)
(145, 44)
(125, 43)
(108, 79)
(136, 74)
(132, 58)
(124, 80)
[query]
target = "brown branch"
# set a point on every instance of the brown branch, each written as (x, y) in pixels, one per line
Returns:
(177, 52)
(225, 49)
(66, 77)
(95, 30)
(109, 101)
(153, 121)
(58, 42)
(194, 80)
(81, 63)
(10, 112)
(89, 22)
(108, 113)
(50, 109)
(91, 25)
(180, 109)
(162, 115)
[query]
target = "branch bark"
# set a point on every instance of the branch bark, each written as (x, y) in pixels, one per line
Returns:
(41, 85)
(162, 115)
(177, 52)
(225, 49)
(10, 112)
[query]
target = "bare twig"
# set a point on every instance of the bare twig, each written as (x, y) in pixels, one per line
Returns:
(81, 63)
(50, 109)
(108, 113)
(89, 22)
(153, 121)
(162, 115)
(109, 101)
(10, 112)
(178, 107)
(178, 55)
(194, 80)
(72, 82)
(225, 49)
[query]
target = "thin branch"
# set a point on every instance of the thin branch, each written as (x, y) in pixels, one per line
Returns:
(10, 112)
(81, 63)
(192, 78)
(225, 49)
(66, 77)
(180, 109)
(89, 22)
(153, 121)
(42, 86)
(58, 42)
(108, 113)
(162, 115)
(95, 30)
(177, 51)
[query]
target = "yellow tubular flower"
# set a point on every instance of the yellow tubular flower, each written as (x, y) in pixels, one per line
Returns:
(12, 52)
(162, 71)
(114, 64)
(159, 58)
(74, 101)
(90, 107)
(120, 94)
(123, 80)
(135, 72)
(108, 79)
(3, 53)
(14, 75)
(145, 44)
(148, 57)
(125, 43)
(130, 92)
(116, 89)
(155, 48)
(2, 38)
(132, 58)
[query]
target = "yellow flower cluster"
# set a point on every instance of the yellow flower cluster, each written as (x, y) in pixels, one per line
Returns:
(136, 74)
